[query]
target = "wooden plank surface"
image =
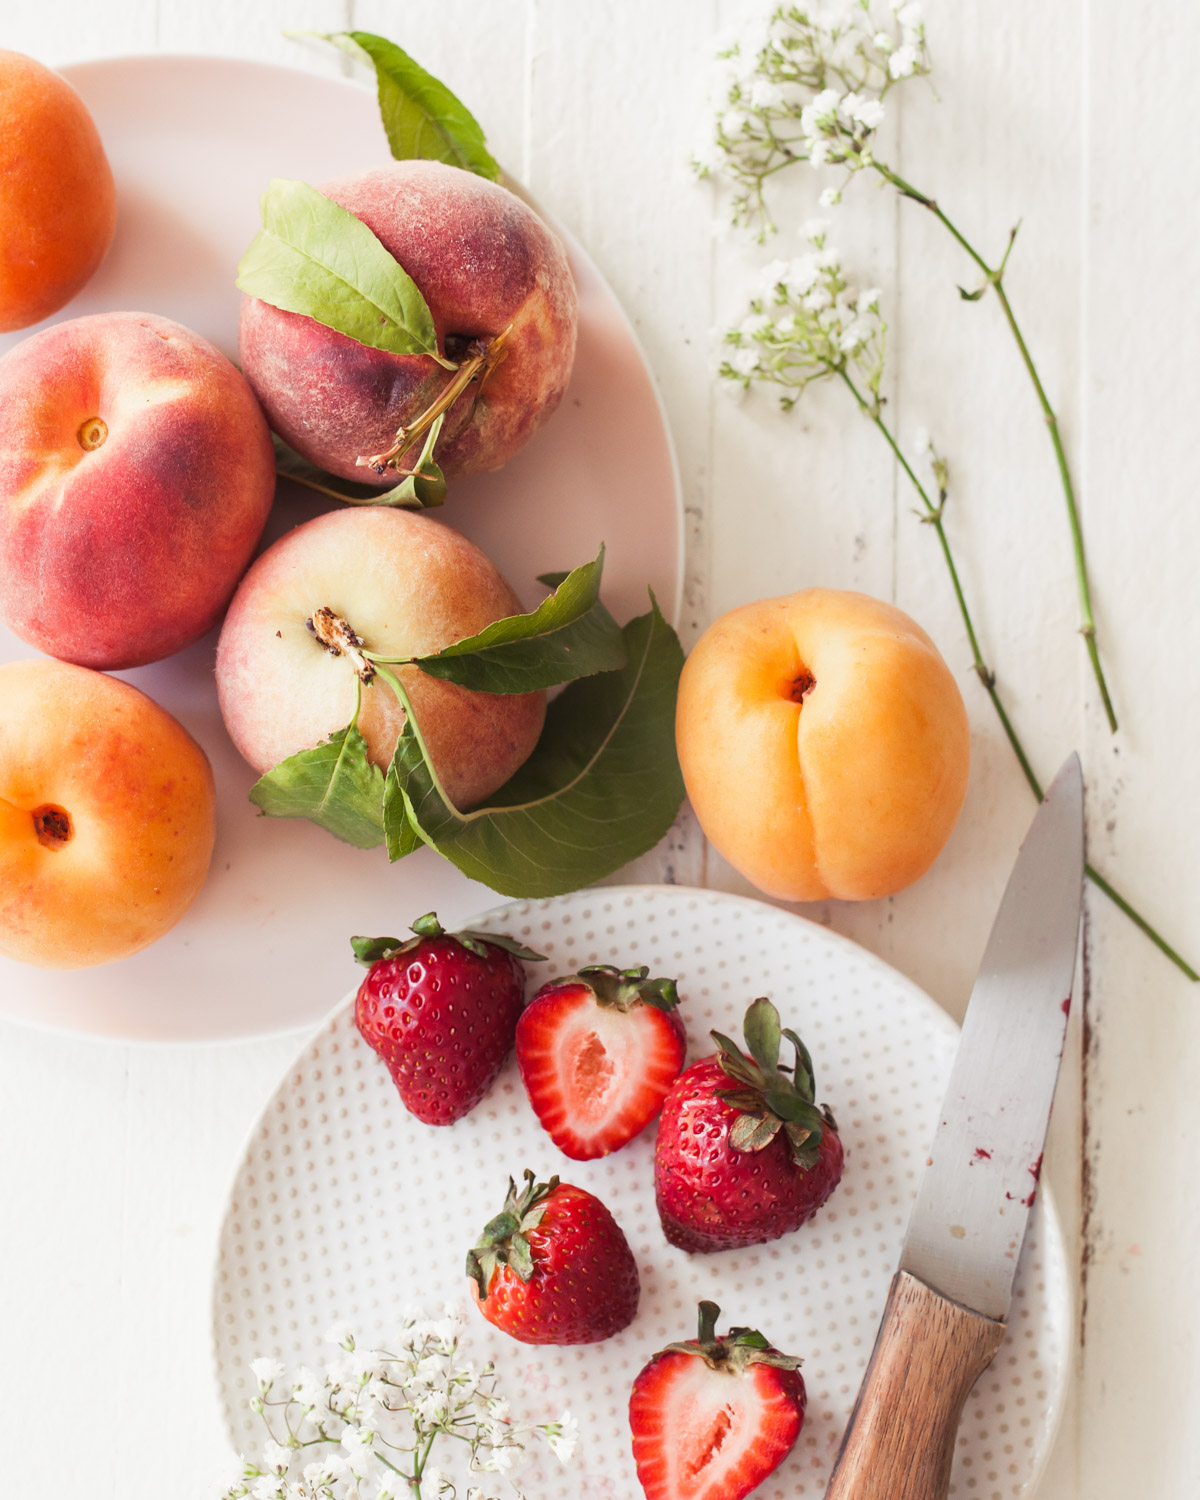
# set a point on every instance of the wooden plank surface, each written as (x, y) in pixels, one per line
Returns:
(1073, 118)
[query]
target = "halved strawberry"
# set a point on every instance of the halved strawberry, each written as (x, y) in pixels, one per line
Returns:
(598, 1052)
(712, 1417)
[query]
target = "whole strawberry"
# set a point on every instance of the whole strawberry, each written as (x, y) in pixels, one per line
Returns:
(598, 1051)
(743, 1153)
(713, 1417)
(441, 1009)
(554, 1267)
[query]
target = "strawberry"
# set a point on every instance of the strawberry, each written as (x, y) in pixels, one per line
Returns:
(743, 1153)
(441, 1010)
(598, 1052)
(711, 1418)
(553, 1267)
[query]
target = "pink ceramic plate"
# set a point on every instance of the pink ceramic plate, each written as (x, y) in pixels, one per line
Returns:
(193, 142)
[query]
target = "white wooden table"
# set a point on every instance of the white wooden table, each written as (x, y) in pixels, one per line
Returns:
(1077, 119)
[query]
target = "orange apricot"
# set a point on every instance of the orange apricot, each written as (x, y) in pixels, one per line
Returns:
(58, 203)
(824, 745)
(107, 816)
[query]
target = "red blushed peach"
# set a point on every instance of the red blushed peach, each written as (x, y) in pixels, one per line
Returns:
(407, 586)
(106, 816)
(824, 745)
(136, 473)
(485, 263)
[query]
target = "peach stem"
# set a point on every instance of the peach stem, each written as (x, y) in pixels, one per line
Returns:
(481, 359)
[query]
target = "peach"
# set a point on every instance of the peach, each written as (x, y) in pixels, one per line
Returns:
(106, 816)
(136, 473)
(824, 745)
(485, 263)
(58, 204)
(407, 585)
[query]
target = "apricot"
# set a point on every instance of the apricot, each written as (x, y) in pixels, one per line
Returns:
(824, 745)
(106, 816)
(407, 586)
(58, 204)
(136, 474)
(487, 266)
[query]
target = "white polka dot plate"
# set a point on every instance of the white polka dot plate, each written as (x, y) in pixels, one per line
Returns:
(345, 1207)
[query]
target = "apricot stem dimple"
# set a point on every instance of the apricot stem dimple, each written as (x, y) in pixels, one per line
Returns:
(53, 826)
(92, 434)
(802, 684)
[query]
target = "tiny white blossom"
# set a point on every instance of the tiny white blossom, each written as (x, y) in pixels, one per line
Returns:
(269, 1487)
(818, 153)
(922, 441)
(744, 361)
(868, 301)
(340, 1333)
(911, 16)
(357, 1445)
(883, 41)
(830, 197)
(814, 230)
(710, 156)
(771, 275)
(277, 1458)
(765, 95)
(801, 275)
(755, 323)
(903, 61)
(733, 120)
(563, 1442)
(267, 1372)
(818, 299)
(502, 1460)
(870, 112)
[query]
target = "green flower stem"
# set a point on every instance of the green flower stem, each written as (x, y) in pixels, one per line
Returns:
(994, 277)
(934, 517)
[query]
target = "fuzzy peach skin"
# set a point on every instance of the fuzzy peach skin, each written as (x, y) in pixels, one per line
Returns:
(408, 586)
(824, 745)
(58, 204)
(136, 473)
(483, 260)
(106, 816)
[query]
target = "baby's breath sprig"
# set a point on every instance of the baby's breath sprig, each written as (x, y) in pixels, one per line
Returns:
(806, 324)
(809, 324)
(808, 83)
(367, 1429)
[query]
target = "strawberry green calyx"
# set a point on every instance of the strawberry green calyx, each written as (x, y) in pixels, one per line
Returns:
(504, 1242)
(369, 950)
(625, 988)
(769, 1100)
(733, 1352)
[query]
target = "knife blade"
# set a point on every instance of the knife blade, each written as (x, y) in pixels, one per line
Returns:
(944, 1319)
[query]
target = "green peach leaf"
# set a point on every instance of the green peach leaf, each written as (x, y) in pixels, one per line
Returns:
(569, 635)
(399, 828)
(602, 786)
(333, 785)
(421, 117)
(420, 492)
(315, 258)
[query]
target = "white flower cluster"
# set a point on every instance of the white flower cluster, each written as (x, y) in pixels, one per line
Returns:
(806, 83)
(366, 1429)
(808, 323)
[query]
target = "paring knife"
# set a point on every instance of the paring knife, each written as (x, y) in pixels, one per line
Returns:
(944, 1319)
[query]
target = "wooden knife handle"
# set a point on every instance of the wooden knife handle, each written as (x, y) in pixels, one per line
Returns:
(899, 1444)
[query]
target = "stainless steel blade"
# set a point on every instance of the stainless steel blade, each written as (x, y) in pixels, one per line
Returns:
(969, 1220)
